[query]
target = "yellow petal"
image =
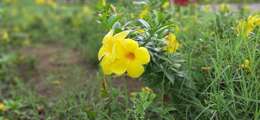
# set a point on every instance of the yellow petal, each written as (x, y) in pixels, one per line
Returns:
(135, 70)
(108, 37)
(101, 53)
(120, 51)
(130, 45)
(171, 37)
(121, 35)
(142, 55)
(172, 43)
(257, 22)
(105, 65)
(119, 67)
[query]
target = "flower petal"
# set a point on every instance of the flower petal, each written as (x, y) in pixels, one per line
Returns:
(130, 45)
(142, 55)
(257, 22)
(120, 51)
(121, 35)
(101, 52)
(105, 65)
(119, 67)
(108, 37)
(135, 70)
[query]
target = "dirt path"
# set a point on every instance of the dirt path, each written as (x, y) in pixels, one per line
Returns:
(57, 69)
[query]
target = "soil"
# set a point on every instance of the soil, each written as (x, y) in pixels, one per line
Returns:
(53, 68)
(57, 68)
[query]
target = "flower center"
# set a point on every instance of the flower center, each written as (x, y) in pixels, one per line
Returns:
(130, 56)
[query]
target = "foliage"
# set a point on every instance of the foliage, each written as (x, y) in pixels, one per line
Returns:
(201, 65)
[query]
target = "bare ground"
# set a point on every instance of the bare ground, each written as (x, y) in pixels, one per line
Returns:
(57, 69)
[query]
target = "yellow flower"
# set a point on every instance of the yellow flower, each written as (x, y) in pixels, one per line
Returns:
(144, 12)
(242, 29)
(40, 2)
(2, 107)
(172, 43)
(130, 58)
(245, 27)
(246, 64)
(147, 90)
(257, 22)
(207, 8)
(120, 55)
(254, 20)
(106, 52)
(52, 3)
(5, 37)
(166, 4)
(224, 8)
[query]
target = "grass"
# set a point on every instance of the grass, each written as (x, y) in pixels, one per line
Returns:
(57, 77)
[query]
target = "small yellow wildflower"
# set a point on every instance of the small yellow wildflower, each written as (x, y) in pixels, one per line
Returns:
(120, 55)
(5, 37)
(144, 13)
(172, 43)
(207, 8)
(242, 29)
(147, 90)
(166, 4)
(245, 27)
(254, 20)
(224, 8)
(52, 3)
(2, 107)
(245, 65)
(257, 22)
(40, 2)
